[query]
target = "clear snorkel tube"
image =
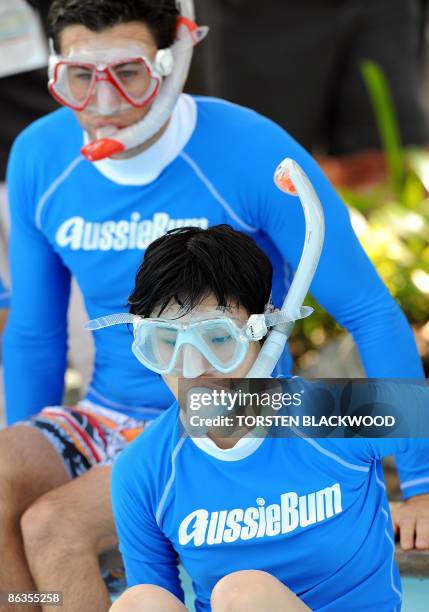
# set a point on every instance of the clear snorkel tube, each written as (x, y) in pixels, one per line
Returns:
(290, 178)
(187, 36)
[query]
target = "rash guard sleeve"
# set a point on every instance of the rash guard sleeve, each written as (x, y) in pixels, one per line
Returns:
(395, 399)
(148, 555)
(414, 478)
(411, 455)
(35, 340)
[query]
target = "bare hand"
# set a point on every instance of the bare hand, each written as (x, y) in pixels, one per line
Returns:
(411, 520)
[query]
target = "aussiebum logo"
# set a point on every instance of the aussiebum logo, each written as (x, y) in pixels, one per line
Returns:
(293, 511)
(79, 234)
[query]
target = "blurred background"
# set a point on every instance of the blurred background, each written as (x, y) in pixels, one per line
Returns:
(349, 79)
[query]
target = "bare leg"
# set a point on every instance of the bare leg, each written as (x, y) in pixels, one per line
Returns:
(149, 598)
(64, 532)
(29, 467)
(254, 591)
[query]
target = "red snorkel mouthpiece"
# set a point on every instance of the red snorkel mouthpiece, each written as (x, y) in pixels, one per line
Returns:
(102, 148)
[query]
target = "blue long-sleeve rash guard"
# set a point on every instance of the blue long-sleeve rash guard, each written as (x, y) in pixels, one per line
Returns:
(4, 295)
(68, 218)
(313, 513)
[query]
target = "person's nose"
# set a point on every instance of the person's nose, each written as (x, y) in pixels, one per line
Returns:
(194, 362)
(106, 98)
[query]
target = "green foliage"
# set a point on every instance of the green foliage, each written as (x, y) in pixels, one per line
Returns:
(382, 103)
(391, 221)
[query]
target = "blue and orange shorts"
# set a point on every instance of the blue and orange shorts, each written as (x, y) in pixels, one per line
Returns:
(86, 435)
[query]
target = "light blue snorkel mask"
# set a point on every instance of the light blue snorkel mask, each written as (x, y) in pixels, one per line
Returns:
(164, 344)
(181, 344)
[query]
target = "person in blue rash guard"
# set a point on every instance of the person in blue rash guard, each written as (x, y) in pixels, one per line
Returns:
(210, 162)
(258, 523)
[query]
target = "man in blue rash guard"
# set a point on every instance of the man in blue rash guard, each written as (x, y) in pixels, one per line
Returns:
(211, 163)
(258, 523)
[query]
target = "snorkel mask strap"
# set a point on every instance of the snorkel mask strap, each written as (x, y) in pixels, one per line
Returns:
(188, 34)
(109, 320)
(53, 60)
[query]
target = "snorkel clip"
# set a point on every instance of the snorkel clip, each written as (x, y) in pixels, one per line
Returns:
(256, 327)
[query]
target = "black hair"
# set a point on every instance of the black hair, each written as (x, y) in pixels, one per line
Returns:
(188, 264)
(160, 16)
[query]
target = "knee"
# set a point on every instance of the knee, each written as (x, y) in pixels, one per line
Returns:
(152, 597)
(240, 590)
(38, 525)
(47, 525)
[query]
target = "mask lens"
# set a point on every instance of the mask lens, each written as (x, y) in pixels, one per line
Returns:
(223, 343)
(134, 79)
(164, 340)
(74, 83)
(80, 79)
(155, 344)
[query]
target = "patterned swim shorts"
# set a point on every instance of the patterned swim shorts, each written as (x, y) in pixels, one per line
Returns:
(86, 435)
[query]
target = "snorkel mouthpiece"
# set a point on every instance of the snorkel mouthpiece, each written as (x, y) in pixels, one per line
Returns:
(102, 148)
